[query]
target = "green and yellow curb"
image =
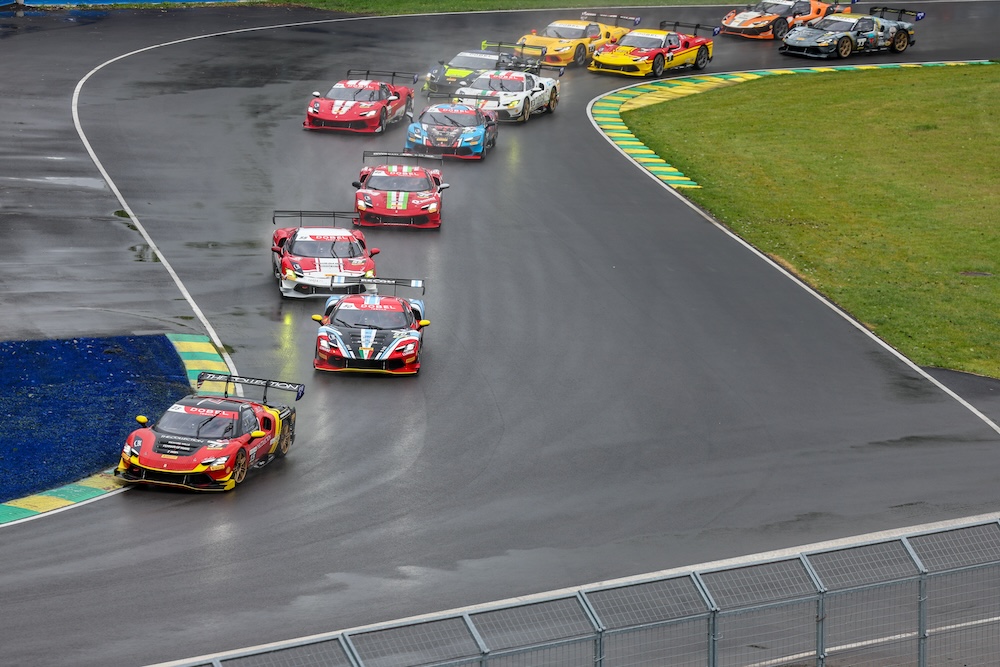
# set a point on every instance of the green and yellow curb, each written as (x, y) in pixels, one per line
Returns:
(606, 111)
(198, 354)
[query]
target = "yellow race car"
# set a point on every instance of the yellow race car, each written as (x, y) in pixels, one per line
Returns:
(572, 41)
(649, 52)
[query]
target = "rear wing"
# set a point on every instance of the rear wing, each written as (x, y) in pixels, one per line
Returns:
(207, 376)
(617, 18)
(326, 215)
(514, 56)
(414, 283)
(900, 13)
(381, 157)
(694, 27)
(376, 74)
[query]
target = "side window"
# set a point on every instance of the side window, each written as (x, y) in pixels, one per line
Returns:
(594, 30)
(248, 422)
(865, 25)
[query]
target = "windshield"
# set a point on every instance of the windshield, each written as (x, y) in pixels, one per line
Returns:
(356, 94)
(777, 8)
(641, 41)
(453, 119)
(399, 183)
(562, 31)
(208, 424)
(342, 248)
(465, 61)
(507, 85)
(369, 319)
(834, 25)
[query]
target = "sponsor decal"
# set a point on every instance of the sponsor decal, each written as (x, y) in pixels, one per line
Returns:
(195, 410)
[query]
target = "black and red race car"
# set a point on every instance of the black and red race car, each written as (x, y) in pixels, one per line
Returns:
(363, 102)
(372, 333)
(207, 442)
(304, 259)
(392, 193)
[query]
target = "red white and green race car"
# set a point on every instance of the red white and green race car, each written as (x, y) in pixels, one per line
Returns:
(398, 191)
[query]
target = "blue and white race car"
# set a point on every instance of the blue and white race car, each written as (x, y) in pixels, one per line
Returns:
(453, 130)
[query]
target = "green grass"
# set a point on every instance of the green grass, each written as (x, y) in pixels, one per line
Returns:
(879, 188)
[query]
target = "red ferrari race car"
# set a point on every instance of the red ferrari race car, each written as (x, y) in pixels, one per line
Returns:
(366, 333)
(306, 259)
(650, 52)
(399, 195)
(208, 442)
(771, 19)
(361, 103)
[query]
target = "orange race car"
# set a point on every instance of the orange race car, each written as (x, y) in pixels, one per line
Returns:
(771, 19)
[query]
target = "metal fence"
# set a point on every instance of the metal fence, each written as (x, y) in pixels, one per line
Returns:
(926, 599)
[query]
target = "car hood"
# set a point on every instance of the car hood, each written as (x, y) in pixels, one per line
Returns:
(397, 201)
(166, 451)
(344, 108)
(807, 35)
(331, 266)
(369, 343)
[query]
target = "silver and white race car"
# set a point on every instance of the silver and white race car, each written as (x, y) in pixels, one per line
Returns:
(513, 95)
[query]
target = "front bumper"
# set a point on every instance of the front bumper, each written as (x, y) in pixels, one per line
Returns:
(829, 51)
(315, 122)
(621, 66)
(375, 219)
(306, 287)
(392, 366)
(461, 152)
(133, 473)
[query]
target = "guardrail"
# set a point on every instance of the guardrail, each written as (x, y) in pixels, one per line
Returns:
(923, 599)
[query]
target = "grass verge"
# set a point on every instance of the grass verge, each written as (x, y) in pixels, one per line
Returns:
(879, 188)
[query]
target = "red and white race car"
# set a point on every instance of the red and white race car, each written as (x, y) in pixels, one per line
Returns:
(207, 442)
(513, 95)
(361, 103)
(399, 195)
(372, 333)
(305, 260)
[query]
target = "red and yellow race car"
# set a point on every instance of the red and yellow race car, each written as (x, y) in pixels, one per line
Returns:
(650, 52)
(771, 19)
(362, 102)
(399, 195)
(207, 442)
(574, 41)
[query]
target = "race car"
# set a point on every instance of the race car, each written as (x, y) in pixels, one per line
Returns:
(512, 95)
(361, 103)
(453, 130)
(466, 66)
(397, 194)
(305, 259)
(372, 333)
(771, 19)
(650, 52)
(572, 41)
(840, 35)
(207, 442)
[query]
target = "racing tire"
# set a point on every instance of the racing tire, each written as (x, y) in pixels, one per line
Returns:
(900, 41)
(408, 111)
(526, 111)
(844, 47)
(284, 442)
(658, 66)
(382, 117)
(580, 55)
(240, 466)
(553, 101)
(779, 28)
(701, 59)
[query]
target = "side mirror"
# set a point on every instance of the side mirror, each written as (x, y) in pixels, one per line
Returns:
(356, 184)
(257, 434)
(614, 40)
(317, 318)
(373, 251)
(444, 186)
(539, 88)
(276, 248)
(393, 97)
(316, 93)
(424, 323)
(142, 420)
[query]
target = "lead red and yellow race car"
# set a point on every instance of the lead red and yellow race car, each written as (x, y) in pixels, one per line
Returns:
(392, 193)
(362, 102)
(771, 19)
(650, 52)
(207, 442)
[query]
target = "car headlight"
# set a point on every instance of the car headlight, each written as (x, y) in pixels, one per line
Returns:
(215, 462)
(408, 348)
(512, 104)
(759, 24)
(562, 49)
(129, 451)
(641, 59)
(324, 343)
(369, 114)
(431, 208)
(472, 141)
(361, 205)
(823, 44)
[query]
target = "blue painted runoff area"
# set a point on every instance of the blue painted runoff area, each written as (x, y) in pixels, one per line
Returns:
(68, 405)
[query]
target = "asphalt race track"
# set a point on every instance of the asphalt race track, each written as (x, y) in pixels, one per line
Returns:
(612, 385)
